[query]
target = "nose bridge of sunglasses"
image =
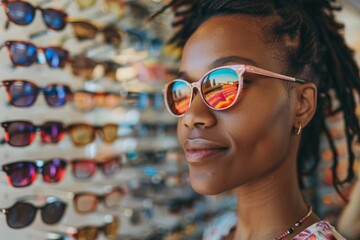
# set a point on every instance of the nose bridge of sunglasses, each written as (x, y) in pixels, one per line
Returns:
(41, 57)
(39, 165)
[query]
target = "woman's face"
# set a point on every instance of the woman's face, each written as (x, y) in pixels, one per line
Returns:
(243, 144)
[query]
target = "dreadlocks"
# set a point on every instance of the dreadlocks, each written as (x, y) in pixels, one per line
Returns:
(322, 55)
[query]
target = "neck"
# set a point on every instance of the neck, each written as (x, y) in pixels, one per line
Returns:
(271, 205)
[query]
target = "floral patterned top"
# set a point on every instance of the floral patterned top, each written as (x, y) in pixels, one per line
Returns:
(221, 227)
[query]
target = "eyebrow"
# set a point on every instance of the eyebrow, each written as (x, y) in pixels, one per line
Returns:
(221, 62)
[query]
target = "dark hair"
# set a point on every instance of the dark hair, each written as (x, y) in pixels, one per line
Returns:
(321, 54)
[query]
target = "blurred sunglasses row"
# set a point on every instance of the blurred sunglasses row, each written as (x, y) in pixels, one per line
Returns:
(23, 12)
(25, 54)
(22, 214)
(24, 93)
(24, 173)
(21, 133)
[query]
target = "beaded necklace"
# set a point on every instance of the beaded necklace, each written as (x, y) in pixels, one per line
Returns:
(297, 224)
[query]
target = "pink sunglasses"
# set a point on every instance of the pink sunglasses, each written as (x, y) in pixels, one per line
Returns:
(219, 88)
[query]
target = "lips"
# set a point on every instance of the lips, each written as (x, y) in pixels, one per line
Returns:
(201, 150)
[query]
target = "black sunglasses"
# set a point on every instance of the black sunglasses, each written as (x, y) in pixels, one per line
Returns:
(22, 214)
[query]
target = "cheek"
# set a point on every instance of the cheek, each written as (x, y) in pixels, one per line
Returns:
(260, 138)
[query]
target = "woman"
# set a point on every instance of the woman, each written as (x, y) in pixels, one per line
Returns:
(252, 96)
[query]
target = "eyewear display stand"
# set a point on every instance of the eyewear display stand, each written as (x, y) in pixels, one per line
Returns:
(117, 77)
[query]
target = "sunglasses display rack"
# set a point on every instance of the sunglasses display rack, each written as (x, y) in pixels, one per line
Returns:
(87, 149)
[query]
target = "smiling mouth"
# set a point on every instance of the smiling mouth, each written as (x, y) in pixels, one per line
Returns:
(203, 155)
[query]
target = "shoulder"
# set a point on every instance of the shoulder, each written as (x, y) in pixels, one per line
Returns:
(319, 231)
(220, 226)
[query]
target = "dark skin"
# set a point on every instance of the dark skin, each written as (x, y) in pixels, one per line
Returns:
(250, 147)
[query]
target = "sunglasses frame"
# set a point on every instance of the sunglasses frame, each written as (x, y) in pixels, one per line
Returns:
(114, 223)
(94, 99)
(37, 128)
(96, 130)
(97, 29)
(5, 211)
(100, 198)
(240, 70)
(8, 45)
(39, 169)
(61, 12)
(89, 64)
(8, 83)
(97, 166)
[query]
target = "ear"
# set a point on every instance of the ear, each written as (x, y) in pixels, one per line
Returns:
(306, 100)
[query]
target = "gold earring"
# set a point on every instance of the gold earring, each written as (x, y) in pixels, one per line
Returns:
(297, 131)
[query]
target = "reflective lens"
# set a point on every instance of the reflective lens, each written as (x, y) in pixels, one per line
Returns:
(22, 54)
(56, 57)
(220, 87)
(21, 13)
(54, 19)
(178, 97)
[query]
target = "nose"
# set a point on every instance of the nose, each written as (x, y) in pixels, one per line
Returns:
(198, 115)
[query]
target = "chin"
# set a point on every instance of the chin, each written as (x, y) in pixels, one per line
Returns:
(205, 184)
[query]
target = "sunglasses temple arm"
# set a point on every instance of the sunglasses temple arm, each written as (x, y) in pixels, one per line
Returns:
(7, 24)
(39, 34)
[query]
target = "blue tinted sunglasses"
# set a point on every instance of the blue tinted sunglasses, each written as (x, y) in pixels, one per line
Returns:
(23, 13)
(25, 54)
